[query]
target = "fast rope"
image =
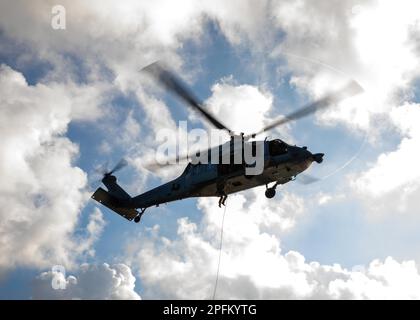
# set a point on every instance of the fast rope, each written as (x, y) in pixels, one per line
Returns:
(220, 252)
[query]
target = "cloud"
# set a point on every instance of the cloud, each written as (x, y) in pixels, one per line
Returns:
(43, 192)
(94, 229)
(372, 42)
(393, 181)
(99, 282)
(253, 265)
(125, 39)
(251, 25)
(231, 101)
(187, 264)
(381, 56)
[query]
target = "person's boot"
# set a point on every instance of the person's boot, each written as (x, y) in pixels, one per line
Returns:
(224, 200)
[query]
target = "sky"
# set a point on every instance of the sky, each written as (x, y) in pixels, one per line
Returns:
(74, 99)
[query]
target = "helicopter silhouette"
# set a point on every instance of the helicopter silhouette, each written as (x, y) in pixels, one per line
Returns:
(282, 162)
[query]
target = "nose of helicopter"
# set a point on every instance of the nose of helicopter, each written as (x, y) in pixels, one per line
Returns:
(318, 157)
(308, 157)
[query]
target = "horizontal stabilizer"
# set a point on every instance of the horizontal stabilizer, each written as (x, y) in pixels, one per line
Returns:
(112, 203)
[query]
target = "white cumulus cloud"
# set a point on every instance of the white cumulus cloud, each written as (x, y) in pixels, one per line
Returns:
(373, 42)
(393, 181)
(253, 265)
(43, 192)
(91, 281)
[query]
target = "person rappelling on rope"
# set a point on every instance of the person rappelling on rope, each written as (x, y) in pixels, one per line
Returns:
(221, 192)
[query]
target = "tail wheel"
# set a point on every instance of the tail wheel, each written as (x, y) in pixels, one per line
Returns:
(270, 193)
(137, 219)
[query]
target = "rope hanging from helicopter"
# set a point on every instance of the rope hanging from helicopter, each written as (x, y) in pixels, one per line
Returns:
(220, 252)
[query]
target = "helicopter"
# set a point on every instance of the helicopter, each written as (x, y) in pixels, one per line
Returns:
(282, 162)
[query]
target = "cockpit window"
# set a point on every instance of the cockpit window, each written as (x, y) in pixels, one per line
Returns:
(277, 147)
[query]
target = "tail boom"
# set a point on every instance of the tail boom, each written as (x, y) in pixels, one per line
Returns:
(115, 204)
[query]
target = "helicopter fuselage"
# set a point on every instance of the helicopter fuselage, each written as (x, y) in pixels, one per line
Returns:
(282, 163)
(213, 180)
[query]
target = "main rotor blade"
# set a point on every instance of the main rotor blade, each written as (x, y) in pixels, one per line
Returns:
(351, 89)
(177, 87)
(156, 166)
(121, 164)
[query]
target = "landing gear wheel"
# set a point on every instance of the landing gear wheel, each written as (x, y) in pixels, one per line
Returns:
(270, 193)
(137, 219)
